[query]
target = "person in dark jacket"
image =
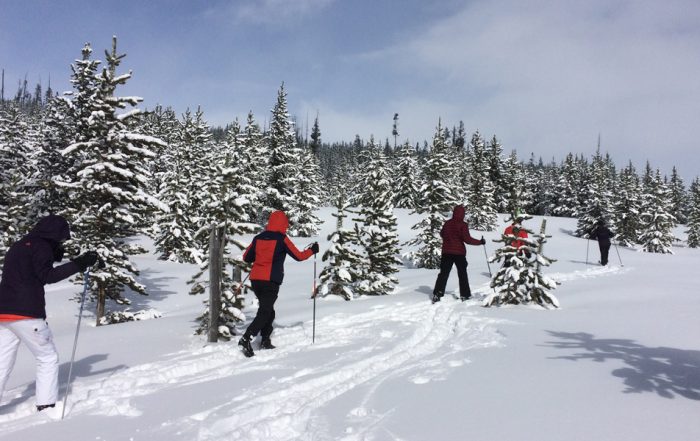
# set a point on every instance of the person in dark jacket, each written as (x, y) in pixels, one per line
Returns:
(28, 267)
(455, 233)
(267, 253)
(603, 234)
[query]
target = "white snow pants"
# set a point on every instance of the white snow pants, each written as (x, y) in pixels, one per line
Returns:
(34, 333)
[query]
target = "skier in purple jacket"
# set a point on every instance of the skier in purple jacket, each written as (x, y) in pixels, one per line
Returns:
(28, 267)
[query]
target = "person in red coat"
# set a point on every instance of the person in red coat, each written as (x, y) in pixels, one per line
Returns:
(455, 233)
(267, 253)
(516, 230)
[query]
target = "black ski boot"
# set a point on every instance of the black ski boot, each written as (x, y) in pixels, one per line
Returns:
(246, 347)
(41, 407)
(465, 298)
(266, 343)
(436, 297)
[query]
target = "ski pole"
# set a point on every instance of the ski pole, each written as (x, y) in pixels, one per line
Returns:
(240, 287)
(588, 244)
(75, 342)
(313, 334)
(618, 254)
(487, 259)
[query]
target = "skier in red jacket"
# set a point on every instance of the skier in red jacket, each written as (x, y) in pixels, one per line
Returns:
(455, 233)
(267, 253)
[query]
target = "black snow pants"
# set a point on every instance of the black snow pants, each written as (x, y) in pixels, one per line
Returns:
(604, 250)
(266, 292)
(446, 262)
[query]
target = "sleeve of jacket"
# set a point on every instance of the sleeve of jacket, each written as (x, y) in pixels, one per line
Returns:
(42, 262)
(249, 253)
(293, 251)
(467, 238)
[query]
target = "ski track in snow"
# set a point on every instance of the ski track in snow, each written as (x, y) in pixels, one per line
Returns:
(423, 344)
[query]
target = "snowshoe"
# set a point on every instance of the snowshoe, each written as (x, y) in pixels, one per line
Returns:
(266, 343)
(246, 346)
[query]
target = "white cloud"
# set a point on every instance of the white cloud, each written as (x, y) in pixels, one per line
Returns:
(549, 76)
(276, 11)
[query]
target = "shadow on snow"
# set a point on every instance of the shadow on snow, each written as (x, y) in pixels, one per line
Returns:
(669, 372)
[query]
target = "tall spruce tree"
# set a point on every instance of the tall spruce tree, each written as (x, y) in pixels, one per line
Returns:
(480, 198)
(341, 273)
(435, 205)
(226, 201)
(626, 205)
(565, 187)
(655, 220)
(679, 206)
(14, 174)
(515, 189)
(258, 168)
(598, 205)
(284, 155)
(407, 183)
(378, 233)
(497, 174)
(694, 214)
(108, 182)
(186, 162)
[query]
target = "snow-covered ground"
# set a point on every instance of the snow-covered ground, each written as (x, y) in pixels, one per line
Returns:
(619, 361)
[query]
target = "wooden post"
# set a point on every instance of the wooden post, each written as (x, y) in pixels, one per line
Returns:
(216, 241)
(101, 300)
(541, 244)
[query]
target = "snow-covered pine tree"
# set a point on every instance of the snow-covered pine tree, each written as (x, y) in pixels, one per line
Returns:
(479, 199)
(185, 160)
(378, 233)
(258, 168)
(436, 202)
(694, 214)
(107, 184)
(58, 133)
(514, 180)
(520, 280)
(565, 188)
(655, 220)
(226, 191)
(162, 124)
(285, 172)
(678, 197)
(626, 204)
(14, 175)
(341, 273)
(308, 201)
(497, 174)
(407, 183)
(599, 197)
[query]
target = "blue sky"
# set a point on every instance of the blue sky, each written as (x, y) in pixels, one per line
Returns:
(544, 76)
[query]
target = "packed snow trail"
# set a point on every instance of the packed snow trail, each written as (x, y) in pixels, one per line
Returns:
(415, 342)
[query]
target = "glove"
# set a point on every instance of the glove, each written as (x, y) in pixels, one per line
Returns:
(58, 253)
(314, 247)
(483, 241)
(86, 260)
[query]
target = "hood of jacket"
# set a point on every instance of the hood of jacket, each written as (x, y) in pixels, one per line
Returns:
(278, 222)
(52, 227)
(458, 213)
